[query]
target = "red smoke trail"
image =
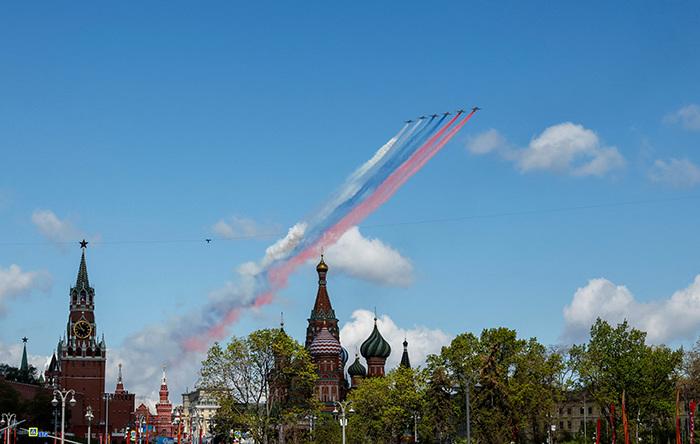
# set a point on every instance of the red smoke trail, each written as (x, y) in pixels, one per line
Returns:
(278, 275)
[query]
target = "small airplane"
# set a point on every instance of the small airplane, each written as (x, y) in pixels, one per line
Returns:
(208, 240)
(446, 114)
(421, 118)
(434, 116)
(475, 109)
(409, 121)
(460, 111)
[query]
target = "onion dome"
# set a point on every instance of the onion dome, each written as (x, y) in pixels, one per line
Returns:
(343, 356)
(325, 344)
(375, 346)
(357, 369)
(321, 267)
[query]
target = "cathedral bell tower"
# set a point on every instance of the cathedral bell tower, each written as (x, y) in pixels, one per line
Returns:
(81, 353)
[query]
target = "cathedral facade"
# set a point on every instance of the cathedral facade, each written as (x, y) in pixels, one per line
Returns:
(324, 345)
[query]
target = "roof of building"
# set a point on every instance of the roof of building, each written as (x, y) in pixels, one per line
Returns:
(405, 362)
(357, 369)
(325, 344)
(323, 310)
(375, 346)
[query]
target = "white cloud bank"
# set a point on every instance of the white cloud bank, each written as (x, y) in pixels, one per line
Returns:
(55, 229)
(15, 283)
(664, 320)
(241, 227)
(675, 172)
(566, 148)
(422, 340)
(11, 354)
(369, 259)
(688, 117)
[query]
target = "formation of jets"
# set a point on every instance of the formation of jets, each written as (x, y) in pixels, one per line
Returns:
(460, 111)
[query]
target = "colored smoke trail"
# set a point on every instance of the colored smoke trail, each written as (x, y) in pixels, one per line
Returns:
(362, 193)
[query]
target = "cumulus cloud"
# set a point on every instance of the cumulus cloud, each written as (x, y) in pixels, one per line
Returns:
(422, 341)
(665, 320)
(486, 142)
(675, 172)
(143, 355)
(55, 229)
(15, 283)
(11, 354)
(688, 117)
(566, 148)
(238, 227)
(369, 259)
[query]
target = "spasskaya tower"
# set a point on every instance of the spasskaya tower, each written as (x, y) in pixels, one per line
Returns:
(81, 353)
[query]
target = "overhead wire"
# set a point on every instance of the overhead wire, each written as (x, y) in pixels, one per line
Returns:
(274, 234)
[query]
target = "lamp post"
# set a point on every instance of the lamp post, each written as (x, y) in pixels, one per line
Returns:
(89, 416)
(10, 419)
(54, 402)
(140, 421)
(467, 402)
(416, 418)
(343, 417)
(312, 420)
(178, 423)
(107, 397)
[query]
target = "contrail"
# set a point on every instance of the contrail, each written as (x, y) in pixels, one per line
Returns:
(362, 193)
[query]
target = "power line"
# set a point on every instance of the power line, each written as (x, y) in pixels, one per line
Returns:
(274, 234)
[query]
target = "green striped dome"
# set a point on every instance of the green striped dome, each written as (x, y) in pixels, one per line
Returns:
(375, 346)
(357, 369)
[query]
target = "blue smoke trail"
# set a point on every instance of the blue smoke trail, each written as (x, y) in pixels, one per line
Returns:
(397, 155)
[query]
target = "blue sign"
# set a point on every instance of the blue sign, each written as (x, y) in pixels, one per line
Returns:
(43, 434)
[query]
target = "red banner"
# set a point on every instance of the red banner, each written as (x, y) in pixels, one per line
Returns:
(597, 431)
(678, 418)
(625, 425)
(691, 419)
(612, 422)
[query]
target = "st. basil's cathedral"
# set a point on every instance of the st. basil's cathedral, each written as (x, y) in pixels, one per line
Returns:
(330, 357)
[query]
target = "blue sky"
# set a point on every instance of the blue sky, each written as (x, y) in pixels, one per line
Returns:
(152, 122)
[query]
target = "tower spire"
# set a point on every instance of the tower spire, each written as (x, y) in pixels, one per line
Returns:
(405, 362)
(120, 383)
(82, 280)
(24, 367)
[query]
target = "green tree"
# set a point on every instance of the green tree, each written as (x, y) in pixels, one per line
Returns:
(263, 382)
(616, 360)
(386, 408)
(517, 386)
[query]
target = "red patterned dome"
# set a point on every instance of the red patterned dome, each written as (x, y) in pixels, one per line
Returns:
(325, 344)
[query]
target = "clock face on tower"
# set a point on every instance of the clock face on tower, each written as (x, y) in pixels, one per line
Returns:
(82, 329)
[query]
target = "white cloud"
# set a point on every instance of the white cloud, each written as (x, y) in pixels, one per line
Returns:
(369, 259)
(55, 229)
(688, 117)
(569, 148)
(675, 172)
(664, 320)
(238, 227)
(143, 354)
(566, 148)
(15, 283)
(11, 354)
(486, 142)
(422, 341)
